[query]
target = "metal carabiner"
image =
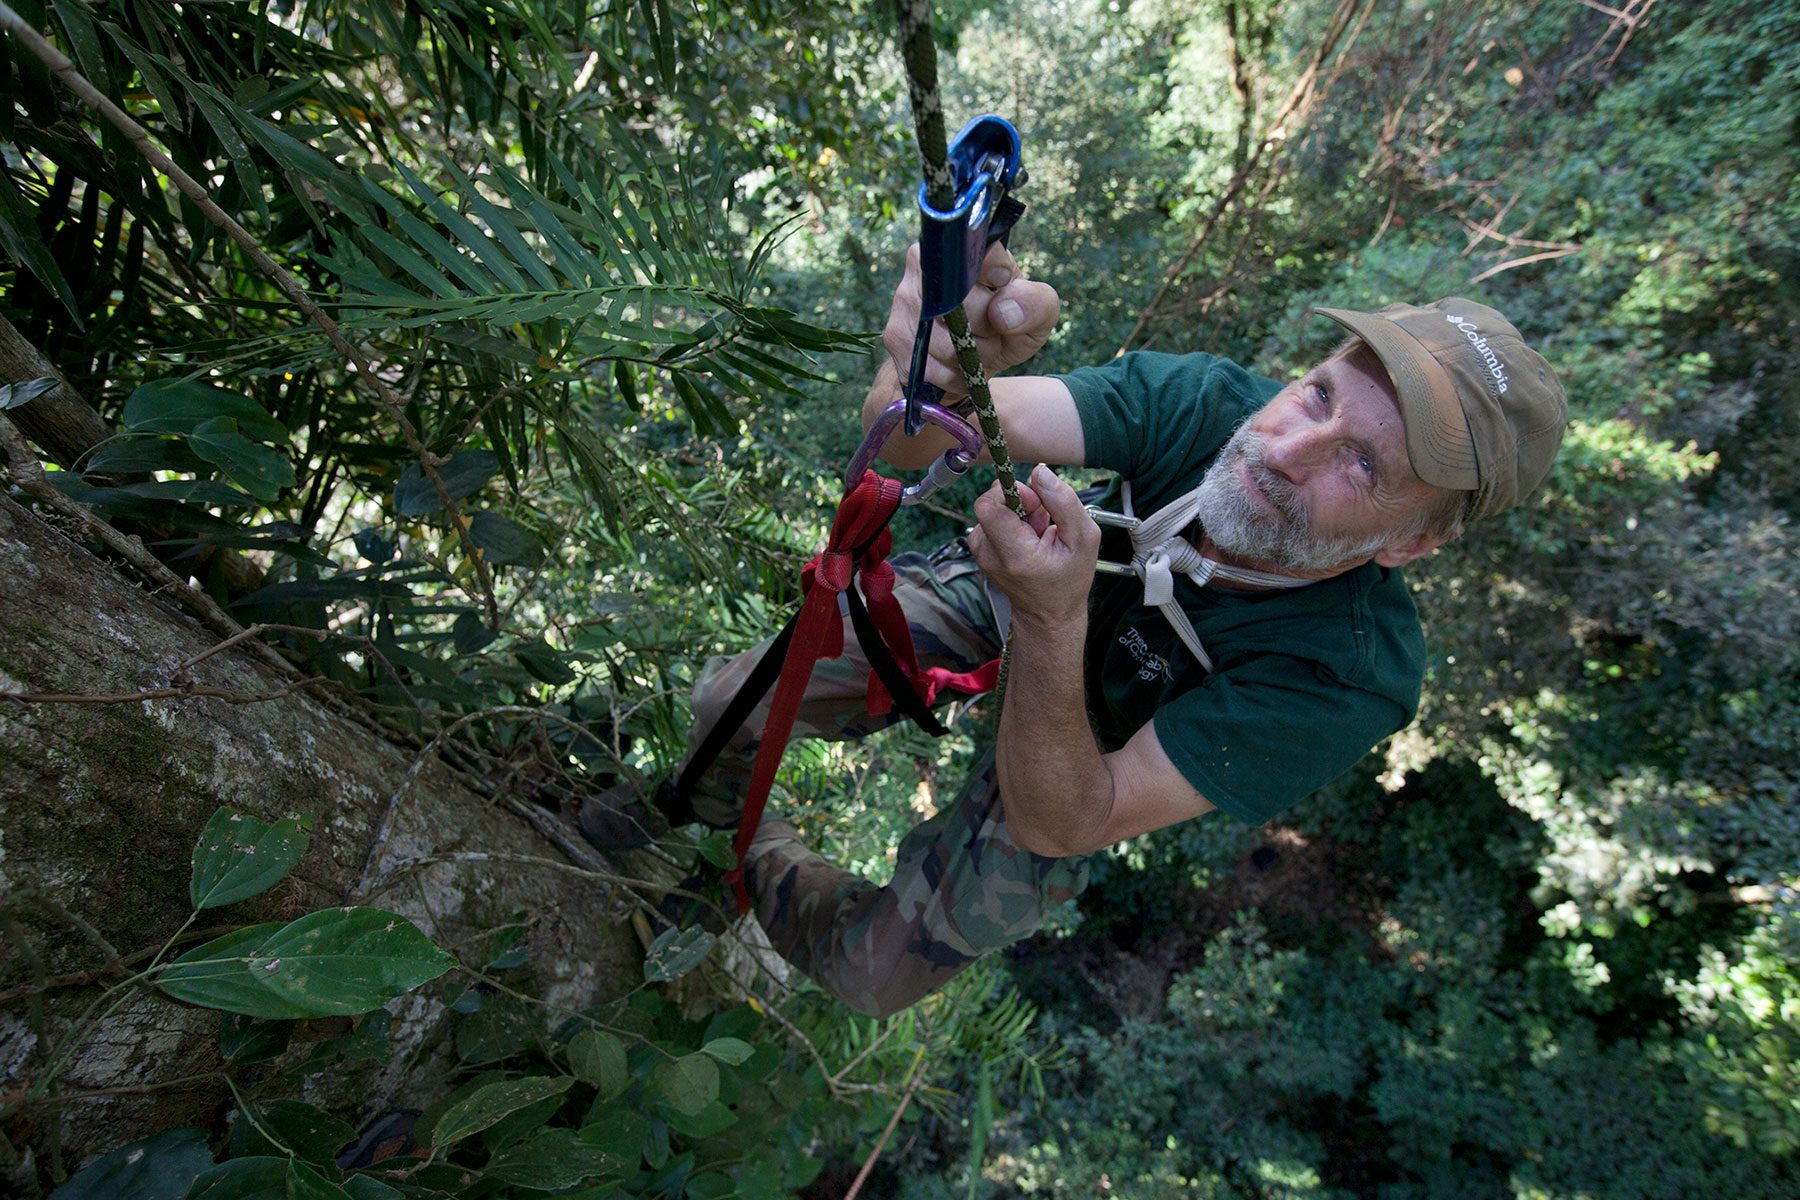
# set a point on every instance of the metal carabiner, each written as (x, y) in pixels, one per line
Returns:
(1106, 517)
(987, 163)
(948, 467)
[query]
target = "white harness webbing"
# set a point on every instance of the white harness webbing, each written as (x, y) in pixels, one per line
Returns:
(1159, 552)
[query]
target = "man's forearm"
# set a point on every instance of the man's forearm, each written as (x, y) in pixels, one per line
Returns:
(1054, 786)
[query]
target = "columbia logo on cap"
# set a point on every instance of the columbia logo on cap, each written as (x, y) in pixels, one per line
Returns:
(1495, 367)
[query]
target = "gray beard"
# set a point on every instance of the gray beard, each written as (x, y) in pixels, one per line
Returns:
(1243, 527)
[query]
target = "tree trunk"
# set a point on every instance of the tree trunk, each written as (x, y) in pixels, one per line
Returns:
(100, 804)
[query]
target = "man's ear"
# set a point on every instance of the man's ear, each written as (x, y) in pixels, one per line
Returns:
(1399, 553)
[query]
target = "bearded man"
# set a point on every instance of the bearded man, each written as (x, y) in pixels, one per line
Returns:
(1246, 638)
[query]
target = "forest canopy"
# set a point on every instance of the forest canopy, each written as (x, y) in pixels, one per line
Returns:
(497, 363)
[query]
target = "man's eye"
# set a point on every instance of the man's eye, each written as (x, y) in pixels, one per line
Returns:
(1319, 395)
(1368, 468)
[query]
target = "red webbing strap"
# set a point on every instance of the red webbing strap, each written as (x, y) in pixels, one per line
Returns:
(859, 531)
(890, 620)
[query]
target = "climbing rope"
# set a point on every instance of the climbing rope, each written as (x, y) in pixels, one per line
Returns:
(920, 55)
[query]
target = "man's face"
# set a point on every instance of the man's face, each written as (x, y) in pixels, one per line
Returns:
(1318, 479)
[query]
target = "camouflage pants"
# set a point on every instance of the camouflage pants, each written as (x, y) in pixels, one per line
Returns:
(960, 886)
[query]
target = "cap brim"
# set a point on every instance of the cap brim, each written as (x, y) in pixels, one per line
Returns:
(1437, 432)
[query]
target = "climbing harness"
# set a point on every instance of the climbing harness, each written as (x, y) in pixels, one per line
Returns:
(965, 205)
(1159, 553)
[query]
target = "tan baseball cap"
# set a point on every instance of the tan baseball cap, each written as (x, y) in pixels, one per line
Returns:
(1484, 412)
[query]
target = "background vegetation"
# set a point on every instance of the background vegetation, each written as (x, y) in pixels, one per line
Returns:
(610, 272)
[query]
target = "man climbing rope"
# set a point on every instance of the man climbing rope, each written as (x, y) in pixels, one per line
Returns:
(1247, 640)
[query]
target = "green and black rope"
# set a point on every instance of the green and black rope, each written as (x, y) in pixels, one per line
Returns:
(920, 55)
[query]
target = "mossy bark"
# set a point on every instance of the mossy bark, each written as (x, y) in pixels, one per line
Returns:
(100, 805)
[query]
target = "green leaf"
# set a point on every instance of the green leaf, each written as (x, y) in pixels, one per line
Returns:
(182, 405)
(713, 1185)
(309, 1132)
(339, 962)
(345, 961)
(304, 1183)
(598, 1058)
(162, 1167)
(372, 546)
(239, 856)
(469, 635)
(467, 470)
(261, 1178)
(217, 975)
(731, 1050)
(258, 469)
(504, 542)
(553, 1160)
(545, 664)
(675, 952)
(128, 454)
(710, 1121)
(488, 1105)
(16, 395)
(244, 1040)
(717, 849)
(618, 1129)
(367, 1187)
(688, 1083)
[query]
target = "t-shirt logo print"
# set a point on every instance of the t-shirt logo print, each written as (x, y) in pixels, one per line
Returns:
(1151, 665)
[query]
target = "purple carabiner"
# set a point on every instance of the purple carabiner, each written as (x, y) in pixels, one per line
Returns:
(952, 463)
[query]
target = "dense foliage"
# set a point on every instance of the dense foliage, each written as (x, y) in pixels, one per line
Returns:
(613, 266)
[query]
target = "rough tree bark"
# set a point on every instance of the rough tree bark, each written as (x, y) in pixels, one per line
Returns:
(100, 805)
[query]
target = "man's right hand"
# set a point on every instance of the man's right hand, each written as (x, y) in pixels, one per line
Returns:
(1011, 317)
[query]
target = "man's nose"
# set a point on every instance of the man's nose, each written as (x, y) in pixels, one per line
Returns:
(1292, 453)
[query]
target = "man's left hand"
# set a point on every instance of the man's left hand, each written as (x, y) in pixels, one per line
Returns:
(1044, 564)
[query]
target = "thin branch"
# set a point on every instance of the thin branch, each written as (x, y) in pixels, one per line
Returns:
(60, 66)
(1529, 258)
(912, 1087)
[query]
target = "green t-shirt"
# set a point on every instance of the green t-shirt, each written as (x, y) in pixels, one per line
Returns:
(1306, 680)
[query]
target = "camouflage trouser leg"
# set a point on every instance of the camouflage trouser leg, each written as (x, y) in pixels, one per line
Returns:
(960, 886)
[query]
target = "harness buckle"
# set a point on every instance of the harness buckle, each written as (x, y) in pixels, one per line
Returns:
(986, 163)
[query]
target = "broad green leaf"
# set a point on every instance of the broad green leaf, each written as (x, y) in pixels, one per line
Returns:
(504, 542)
(260, 1178)
(675, 952)
(367, 1187)
(620, 1130)
(345, 961)
(710, 1121)
(239, 856)
(717, 849)
(244, 1040)
(598, 1058)
(131, 454)
(467, 470)
(16, 395)
(309, 1132)
(181, 405)
(260, 470)
(729, 1050)
(162, 1167)
(713, 1185)
(488, 1105)
(469, 635)
(688, 1083)
(305, 1183)
(217, 975)
(553, 1160)
(372, 546)
(550, 666)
